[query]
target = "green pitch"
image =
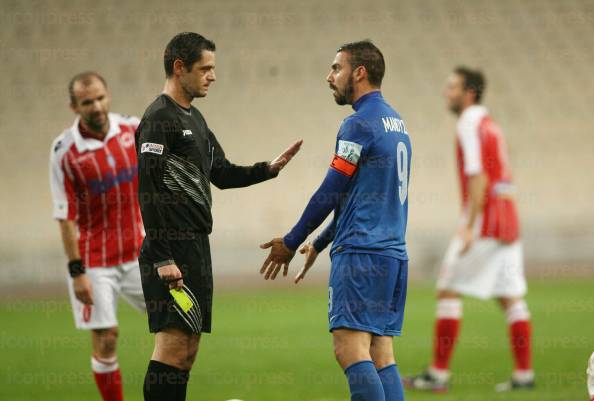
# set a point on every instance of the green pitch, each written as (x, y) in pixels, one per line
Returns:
(272, 345)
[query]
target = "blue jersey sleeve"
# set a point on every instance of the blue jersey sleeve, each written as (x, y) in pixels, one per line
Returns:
(325, 237)
(352, 145)
(323, 201)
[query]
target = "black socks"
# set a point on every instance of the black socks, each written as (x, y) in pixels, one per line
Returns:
(165, 382)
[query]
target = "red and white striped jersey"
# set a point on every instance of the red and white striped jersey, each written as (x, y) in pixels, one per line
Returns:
(481, 148)
(95, 183)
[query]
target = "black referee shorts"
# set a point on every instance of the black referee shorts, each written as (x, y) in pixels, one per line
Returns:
(192, 257)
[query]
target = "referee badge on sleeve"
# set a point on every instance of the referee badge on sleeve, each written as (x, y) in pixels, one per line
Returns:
(149, 147)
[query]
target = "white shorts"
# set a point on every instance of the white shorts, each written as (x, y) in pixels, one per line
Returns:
(107, 284)
(488, 269)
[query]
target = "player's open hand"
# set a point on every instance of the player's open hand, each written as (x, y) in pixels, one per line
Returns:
(82, 289)
(280, 256)
(171, 275)
(284, 158)
(310, 257)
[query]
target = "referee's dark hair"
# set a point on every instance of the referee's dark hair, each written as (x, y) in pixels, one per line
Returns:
(365, 53)
(86, 78)
(474, 80)
(187, 47)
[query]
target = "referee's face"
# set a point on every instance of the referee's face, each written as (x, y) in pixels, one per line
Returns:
(197, 80)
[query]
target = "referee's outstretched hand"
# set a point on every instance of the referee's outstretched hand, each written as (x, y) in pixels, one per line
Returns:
(284, 158)
(280, 256)
(171, 275)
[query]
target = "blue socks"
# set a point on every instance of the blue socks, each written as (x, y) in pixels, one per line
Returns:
(364, 382)
(391, 381)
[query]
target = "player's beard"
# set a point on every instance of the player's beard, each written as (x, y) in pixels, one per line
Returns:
(455, 107)
(95, 124)
(345, 96)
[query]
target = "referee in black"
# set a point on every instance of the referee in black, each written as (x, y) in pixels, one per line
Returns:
(178, 158)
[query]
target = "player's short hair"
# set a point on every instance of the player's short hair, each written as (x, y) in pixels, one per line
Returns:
(86, 78)
(187, 47)
(365, 53)
(474, 80)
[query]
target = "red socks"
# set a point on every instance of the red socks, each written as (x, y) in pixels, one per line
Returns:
(518, 319)
(447, 327)
(108, 378)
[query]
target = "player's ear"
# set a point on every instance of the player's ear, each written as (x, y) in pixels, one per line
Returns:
(73, 106)
(470, 95)
(360, 73)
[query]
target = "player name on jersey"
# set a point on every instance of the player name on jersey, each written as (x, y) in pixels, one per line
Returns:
(393, 124)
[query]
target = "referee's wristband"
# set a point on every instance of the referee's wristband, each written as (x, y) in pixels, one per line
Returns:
(76, 268)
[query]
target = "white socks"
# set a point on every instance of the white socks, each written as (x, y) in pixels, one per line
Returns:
(449, 308)
(104, 365)
(517, 312)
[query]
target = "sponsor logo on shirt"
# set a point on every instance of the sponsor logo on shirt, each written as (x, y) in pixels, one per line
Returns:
(186, 132)
(349, 151)
(123, 175)
(149, 147)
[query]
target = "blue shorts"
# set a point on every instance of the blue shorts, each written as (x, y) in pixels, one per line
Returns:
(367, 292)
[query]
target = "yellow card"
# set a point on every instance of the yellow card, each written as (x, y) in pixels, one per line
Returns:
(182, 299)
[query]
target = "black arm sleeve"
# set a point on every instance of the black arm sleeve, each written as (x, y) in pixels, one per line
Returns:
(225, 174)
(152, 146)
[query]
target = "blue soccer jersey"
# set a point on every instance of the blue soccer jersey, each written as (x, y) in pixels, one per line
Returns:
(373, 147)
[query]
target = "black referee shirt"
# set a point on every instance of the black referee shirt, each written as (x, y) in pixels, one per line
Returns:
(178, 158)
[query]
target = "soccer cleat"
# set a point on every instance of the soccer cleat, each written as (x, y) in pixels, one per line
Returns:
(426, 382)
(512, 385)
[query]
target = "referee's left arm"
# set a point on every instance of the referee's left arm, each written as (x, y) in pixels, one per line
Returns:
(225, 174)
